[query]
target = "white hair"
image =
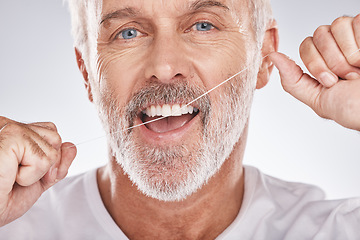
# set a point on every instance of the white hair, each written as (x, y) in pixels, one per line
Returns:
(261, 18)
(82, 17)
(85, 18)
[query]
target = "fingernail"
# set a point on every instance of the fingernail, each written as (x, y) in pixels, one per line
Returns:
(352, 76)
(327, 79)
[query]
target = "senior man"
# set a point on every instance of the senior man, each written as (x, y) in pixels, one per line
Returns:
(180, 176)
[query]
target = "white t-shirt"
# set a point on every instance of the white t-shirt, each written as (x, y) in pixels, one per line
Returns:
(271, 209)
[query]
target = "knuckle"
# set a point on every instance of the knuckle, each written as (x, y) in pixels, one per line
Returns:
(321, 32)
(3, 121)
(57, 139)
(54, 141)
(339, 23)
(51, 125)
(13, 128)
(48, 125)
(305, 45)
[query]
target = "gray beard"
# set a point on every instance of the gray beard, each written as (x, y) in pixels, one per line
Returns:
(173, 173)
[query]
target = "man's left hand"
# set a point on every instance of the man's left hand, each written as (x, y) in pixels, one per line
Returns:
(332, 56)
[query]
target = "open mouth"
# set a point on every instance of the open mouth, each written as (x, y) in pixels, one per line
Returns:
(172, 116)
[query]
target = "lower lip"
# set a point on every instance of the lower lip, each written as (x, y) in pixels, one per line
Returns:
(166, 137)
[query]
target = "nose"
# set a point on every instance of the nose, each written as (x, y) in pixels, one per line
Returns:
(167, 60)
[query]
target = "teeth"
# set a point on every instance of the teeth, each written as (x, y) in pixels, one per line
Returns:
(175, 110)
(158, 110)
(153, 111)
(169, 110)
(166, 110)
(190, 109)
(184, 109)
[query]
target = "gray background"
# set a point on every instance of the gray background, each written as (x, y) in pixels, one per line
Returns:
(40, 82)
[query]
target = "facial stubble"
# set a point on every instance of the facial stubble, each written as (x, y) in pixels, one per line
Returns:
(172, 173)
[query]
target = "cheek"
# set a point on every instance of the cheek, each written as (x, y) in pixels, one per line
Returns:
(119, 72)
(217, 60)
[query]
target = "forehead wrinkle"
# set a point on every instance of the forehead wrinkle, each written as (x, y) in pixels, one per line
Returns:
(133, 12)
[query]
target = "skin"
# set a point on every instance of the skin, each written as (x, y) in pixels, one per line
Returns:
(333, 49)
(169, 48)
(33, 157)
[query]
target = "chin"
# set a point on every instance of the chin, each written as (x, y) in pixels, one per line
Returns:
(167, 173)
(174, 157)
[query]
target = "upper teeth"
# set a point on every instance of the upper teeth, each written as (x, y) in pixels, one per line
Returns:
(167, 110)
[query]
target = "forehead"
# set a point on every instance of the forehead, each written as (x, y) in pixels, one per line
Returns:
(170, 7)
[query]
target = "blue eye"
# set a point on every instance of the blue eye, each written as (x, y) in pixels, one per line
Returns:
(204, 26)
(129, 33)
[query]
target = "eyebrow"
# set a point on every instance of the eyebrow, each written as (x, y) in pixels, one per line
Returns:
(122, 13)
(132, 12)
(199, 4)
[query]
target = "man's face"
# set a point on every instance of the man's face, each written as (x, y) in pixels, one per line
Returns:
(154, 57)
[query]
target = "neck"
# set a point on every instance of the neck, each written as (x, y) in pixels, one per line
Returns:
(203, 215)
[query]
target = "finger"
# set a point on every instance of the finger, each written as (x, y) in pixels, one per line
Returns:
(356, 27)
(343, 32)
(26, 150)
(4, 121)
(68, 154)
(48, 125)
(298, 84)
(315, 63)
(328, 48)
(8, 162)
(35, 155)
(36, 162)
(8, 169)
(59, 170)
(48, 132)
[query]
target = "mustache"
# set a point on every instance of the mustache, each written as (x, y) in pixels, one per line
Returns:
(160, 93)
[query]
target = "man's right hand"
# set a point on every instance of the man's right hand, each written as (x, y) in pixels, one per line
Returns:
(32, 159)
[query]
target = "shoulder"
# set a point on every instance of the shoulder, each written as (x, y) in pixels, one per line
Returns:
(283, 193)
(277, 209)
(328, 219)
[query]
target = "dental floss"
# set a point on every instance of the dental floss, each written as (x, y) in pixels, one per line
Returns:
(354, 52)
(179, 110)
(204, 94)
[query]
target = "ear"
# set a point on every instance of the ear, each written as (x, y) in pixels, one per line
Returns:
(270, 44)
(82, 68)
